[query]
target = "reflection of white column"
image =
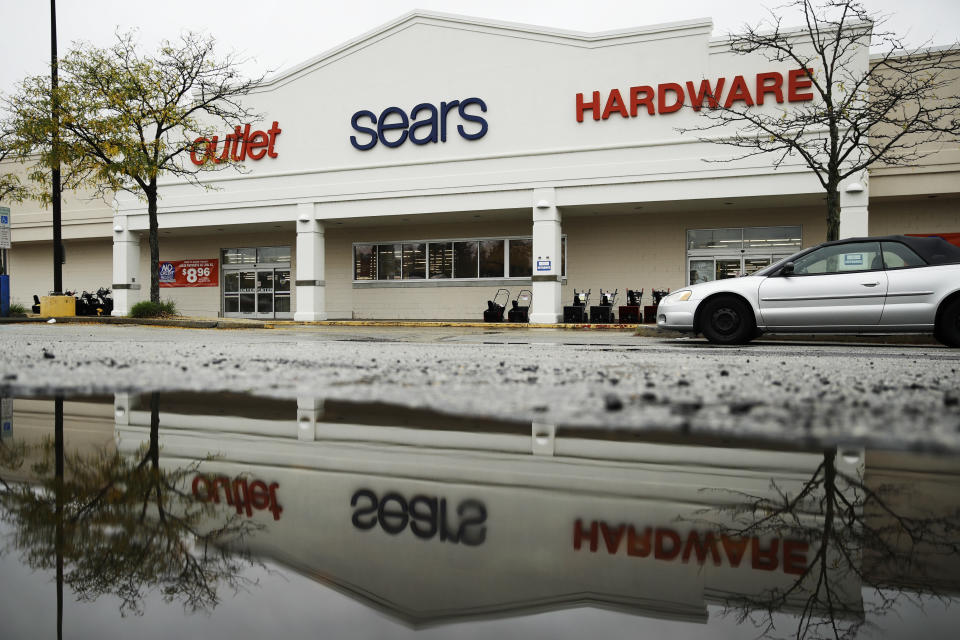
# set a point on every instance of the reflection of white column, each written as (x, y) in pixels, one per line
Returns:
(543, 437)
(126, 264)
(545, 307)
(309, 411)
(311, 299)
(854, 214)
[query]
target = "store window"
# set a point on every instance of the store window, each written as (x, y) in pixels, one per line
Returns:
(716, 254)
(415, 261)
(441, 260)
(465, 256)
(492, 258)
(521, 258)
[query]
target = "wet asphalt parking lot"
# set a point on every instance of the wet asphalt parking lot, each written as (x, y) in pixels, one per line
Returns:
(816, 392)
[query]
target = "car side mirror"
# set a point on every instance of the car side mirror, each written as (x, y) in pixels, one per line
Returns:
(787, 269)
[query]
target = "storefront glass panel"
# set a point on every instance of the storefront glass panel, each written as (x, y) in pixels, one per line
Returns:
(773, 238)
(231, 282)
(414, 261)
(521, 258)
(491, 258)
(365, 262)
(389, 260)
(246, 255)
(465, 256)
(441, 260)
(752, 265)
(701, 271)
(728, 268)
(714, 238)
(273, 255)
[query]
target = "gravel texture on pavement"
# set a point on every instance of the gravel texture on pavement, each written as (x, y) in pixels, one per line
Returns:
(814, 393)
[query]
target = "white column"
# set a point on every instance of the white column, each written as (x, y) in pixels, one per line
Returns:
(854, 214)
(126, 267)
(546, 306)
(310, 283)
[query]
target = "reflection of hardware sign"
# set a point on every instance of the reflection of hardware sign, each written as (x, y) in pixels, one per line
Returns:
(426, 515)
(670, 96)
(667, 544)
(168, 273)
(242, 495)
(544, 265)
(426, 124)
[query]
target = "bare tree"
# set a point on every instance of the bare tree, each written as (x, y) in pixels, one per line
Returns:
(860, 535)
(127, 118)
(891, 111)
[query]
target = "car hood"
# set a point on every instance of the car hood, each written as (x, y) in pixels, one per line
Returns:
(743, 285)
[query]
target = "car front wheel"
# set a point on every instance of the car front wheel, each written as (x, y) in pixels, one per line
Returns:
(727, 320)
(948, 327)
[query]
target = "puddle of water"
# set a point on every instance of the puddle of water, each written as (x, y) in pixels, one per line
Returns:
(217, 515)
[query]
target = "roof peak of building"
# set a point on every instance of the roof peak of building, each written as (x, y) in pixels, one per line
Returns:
(575, 38)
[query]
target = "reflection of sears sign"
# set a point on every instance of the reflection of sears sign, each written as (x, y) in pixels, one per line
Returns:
(426, 123)
(168, 272)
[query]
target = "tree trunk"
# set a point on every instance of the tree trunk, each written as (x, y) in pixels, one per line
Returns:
(833, 211)
(151, 192)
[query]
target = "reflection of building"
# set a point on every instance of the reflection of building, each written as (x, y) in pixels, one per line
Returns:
(432, 519)
(520, 156)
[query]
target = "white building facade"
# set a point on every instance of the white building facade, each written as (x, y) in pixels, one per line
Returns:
(413, 171)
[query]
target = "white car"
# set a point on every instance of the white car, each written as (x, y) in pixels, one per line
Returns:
(886, 284)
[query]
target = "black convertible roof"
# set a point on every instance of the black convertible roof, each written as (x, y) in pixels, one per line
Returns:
(933, 249)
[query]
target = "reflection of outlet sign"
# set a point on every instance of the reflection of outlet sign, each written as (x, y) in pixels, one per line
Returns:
(240, 493)
(427, 517)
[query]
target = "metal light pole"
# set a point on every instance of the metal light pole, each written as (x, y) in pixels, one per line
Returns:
(57, 239)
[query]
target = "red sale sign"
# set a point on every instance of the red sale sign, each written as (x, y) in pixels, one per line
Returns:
(189, 273)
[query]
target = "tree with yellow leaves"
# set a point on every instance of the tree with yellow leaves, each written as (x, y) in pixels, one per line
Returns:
(126, 118)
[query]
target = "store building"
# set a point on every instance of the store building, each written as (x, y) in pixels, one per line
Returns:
(414, 170)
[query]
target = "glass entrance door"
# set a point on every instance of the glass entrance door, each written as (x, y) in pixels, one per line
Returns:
(256, 293)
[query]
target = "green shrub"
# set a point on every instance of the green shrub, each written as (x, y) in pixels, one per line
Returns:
(17, 309)
(148, 309)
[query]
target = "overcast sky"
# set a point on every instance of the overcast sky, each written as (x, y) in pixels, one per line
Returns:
(277, 34)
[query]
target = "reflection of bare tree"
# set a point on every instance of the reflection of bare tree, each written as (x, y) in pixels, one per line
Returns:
(861, 536)
(124, 526)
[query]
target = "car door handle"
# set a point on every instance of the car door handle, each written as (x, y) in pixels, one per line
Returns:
(869, 284)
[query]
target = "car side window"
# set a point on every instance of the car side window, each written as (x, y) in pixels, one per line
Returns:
(900, 256)
(840, 258)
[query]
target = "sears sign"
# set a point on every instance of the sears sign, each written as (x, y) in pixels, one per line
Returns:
(426, 123)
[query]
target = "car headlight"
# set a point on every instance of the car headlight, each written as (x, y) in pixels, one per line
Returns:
(678, 296)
